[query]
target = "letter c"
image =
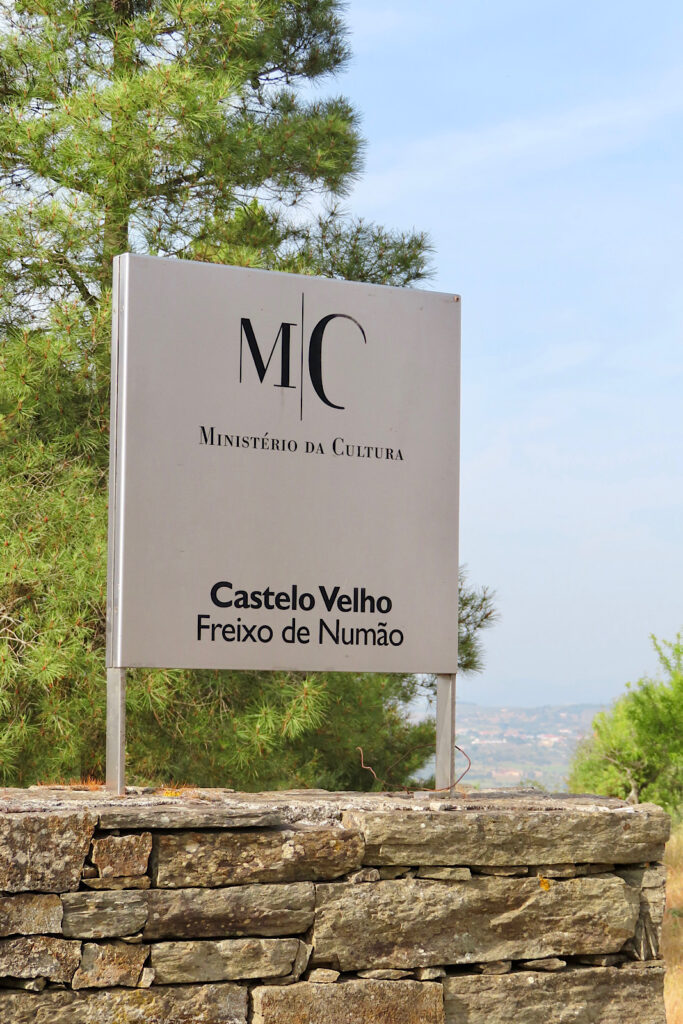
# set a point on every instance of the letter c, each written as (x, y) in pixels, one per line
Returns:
(214, 594)
(315, 354)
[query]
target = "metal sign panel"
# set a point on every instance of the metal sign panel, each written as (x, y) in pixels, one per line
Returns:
(284, 479)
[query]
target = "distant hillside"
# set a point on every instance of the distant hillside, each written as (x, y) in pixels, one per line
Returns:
(509, 745)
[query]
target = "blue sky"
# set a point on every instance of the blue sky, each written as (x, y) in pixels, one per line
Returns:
(540, 146)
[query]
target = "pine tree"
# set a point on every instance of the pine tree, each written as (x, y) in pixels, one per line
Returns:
(177, 128)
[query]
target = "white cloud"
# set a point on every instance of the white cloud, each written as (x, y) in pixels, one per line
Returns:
(460, 159)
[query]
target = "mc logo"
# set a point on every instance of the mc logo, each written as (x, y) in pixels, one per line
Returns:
(284, 341)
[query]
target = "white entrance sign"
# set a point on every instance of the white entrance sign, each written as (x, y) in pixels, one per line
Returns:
(284, 480)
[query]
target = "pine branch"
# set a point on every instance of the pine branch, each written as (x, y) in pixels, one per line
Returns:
(88, 297)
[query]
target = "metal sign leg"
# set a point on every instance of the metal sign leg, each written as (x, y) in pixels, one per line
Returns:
(116, 730)
(445, 731)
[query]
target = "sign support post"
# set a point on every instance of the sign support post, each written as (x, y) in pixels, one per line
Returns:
(116, 730)
(445, 731)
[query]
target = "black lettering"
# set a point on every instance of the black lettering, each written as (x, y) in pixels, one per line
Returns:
(323, 626)
(315, 349)
(303, 634)
(214, 594)
(246, 330)
(347, 637)
(328, 599)
(289, 633)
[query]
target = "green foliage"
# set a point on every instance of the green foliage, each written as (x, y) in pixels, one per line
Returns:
(330, 245)
(53, 450)
(177, 128)
(476, 612)
(268, 730)
(636, 750)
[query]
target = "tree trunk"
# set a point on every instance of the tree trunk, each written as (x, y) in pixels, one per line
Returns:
(117, 213)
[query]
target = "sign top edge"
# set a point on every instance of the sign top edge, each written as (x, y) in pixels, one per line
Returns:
(140, 257)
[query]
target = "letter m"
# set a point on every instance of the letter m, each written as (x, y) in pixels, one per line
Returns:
(285, 333)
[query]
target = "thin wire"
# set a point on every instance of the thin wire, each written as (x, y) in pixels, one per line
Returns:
(429, 789)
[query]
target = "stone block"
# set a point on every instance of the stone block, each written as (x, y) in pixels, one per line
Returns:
(650, 883)
(44, 852)
(128, 882)
(301, 960)
(651, 877)
(261, 910)
(322, 976)
(110, 964)
(420, 923)
(211, 859)
(39, 956)
(493, 967)
(557, 870)
(518, 835)
(508, 871)
(385, 974)
(28, 914)
(549, 963)
(608, 960)
(119, 856)
(445, 874)
(188, 1004)
(180, 963)
(186, 814)
(571, 870)
(429, 973)
(641, 965)
(350, 1002)
(103, 915)
(590, 995)
(363, 875)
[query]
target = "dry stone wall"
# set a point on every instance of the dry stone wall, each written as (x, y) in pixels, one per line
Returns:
(210, 907)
